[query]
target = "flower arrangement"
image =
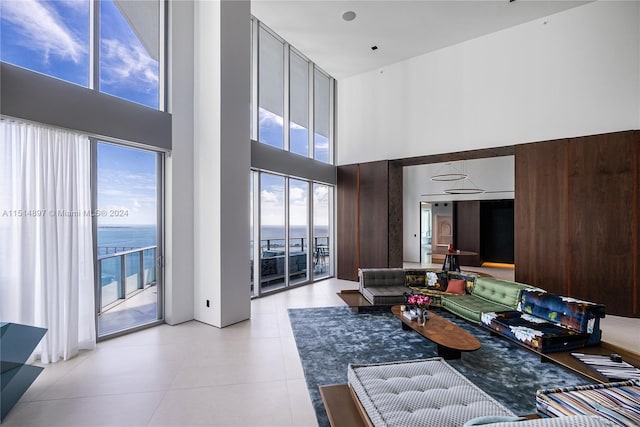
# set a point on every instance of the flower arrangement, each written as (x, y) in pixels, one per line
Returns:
(420, 301)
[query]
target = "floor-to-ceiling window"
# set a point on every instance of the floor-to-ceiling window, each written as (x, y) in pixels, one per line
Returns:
(127, 219)
(272, 232)
(291, 198)
(271, 88)
(298, 230)
(323, 246)
(291, 238)
(111, 46)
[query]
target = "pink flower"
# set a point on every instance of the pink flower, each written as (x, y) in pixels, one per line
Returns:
(421, 301)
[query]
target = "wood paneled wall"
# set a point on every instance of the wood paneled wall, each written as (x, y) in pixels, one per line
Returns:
(370, 215)
(347, 222)
(466, 219)
(577, 210)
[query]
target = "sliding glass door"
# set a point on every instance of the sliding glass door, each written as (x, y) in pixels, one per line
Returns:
(128, 243)
(291, 228)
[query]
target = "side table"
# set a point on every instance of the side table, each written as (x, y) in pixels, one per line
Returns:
(17, 342)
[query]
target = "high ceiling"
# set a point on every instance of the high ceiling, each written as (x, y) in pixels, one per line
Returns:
(400, 29)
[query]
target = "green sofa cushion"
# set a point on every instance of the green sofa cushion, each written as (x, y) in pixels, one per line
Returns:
(498, 291)
(470, 307)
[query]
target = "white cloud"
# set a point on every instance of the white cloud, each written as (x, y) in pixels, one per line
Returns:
(42, 29)
(126, 62)
(297, 194)
(267, 117)
(79, 5)
(269, 198)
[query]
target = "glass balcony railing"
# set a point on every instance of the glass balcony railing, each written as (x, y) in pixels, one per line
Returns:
(272, 266)
(124, 271)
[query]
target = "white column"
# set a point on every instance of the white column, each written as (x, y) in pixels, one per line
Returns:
(179, 176)
(222, 159)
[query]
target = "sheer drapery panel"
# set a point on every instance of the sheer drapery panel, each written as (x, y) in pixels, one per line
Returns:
(46, 244)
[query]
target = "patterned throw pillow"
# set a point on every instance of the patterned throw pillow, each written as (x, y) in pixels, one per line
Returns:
(415, 278)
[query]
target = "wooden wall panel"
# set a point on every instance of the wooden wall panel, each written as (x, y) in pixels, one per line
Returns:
(347, 222)
(374, 214)
(577, 210)
(541, 215)
(466, 217)
(395, 215)
(601, 220)
(635, 296)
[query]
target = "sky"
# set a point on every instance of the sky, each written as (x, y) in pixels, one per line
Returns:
(52, 37)
(127, 186)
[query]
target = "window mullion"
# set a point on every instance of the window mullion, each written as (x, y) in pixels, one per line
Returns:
(255, 79)
(94, 51)
(312, 121)
(286, 98)
(331, 136)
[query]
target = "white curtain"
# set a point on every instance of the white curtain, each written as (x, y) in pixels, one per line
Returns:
(46, 248)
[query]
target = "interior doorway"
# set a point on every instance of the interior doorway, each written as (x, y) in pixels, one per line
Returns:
(425, 232)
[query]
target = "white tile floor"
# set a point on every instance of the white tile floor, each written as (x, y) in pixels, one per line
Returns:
(248, 374)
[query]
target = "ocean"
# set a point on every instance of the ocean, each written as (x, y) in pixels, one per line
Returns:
(113, 239)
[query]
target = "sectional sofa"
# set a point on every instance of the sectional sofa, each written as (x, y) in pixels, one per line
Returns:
(529, 316)
(547, 322)
(389, 286)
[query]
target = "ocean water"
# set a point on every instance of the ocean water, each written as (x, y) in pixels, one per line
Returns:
(114, 239)
(272, 236)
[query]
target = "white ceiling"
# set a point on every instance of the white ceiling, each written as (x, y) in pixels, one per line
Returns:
(401, 29)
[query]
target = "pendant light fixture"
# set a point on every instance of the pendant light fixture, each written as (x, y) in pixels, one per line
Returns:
(448, 172)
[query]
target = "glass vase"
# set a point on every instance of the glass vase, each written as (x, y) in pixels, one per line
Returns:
(422, 316)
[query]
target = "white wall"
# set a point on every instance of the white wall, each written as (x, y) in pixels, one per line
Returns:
(179, 212)
(492, 174)
(570, 74)
(222, 161)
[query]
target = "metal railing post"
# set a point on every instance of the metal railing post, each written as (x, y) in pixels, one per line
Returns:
(141, 278)
(123, 278)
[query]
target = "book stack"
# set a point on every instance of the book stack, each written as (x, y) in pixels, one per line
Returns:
(410, 314)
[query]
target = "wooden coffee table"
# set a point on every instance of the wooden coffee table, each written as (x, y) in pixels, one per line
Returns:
(451, 339)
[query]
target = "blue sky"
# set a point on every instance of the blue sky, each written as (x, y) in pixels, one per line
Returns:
(52, 37)
(127, 181)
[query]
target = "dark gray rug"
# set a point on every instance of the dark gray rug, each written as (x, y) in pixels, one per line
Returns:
(330, 338)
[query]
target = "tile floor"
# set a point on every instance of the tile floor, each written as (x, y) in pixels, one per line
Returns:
(248, 374)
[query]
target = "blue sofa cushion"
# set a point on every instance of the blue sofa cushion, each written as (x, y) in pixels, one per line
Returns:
(534, 332)
(571, 313)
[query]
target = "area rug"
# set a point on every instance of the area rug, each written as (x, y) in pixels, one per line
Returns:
(330, 338)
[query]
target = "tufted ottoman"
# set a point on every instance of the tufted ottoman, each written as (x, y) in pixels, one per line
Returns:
(419, 393)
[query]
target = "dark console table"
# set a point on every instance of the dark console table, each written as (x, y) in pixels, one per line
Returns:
(451, 260)
(17, 342)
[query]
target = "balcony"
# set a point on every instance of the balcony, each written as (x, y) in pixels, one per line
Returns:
(128, 294)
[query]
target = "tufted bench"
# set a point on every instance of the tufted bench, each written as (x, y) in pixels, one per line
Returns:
(419, 393)
(429, 393)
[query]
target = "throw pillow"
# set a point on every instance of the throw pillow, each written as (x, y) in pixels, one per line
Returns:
(456, 286)
(490, 419)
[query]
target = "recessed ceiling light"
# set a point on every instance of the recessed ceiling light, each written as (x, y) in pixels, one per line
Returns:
(349, 15)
